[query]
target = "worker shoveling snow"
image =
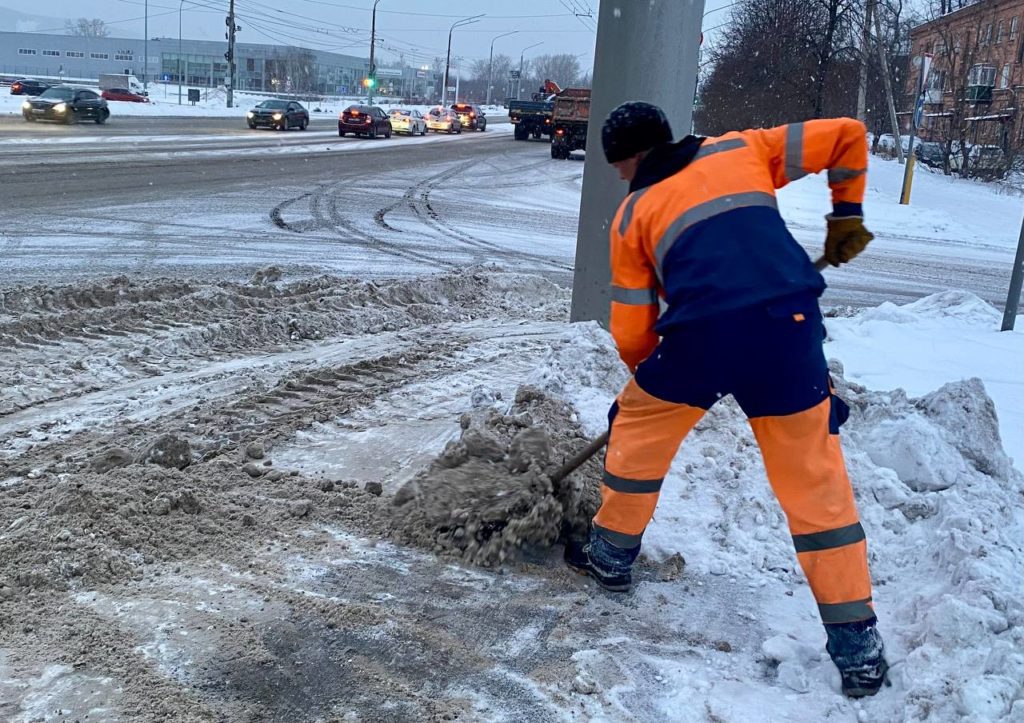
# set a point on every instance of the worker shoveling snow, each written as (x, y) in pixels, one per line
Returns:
(491, 492)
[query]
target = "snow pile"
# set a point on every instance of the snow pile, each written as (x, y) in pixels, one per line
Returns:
(943, 337)
(488, 494)
(938, 497)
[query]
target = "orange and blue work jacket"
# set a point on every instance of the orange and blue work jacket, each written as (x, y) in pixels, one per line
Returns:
(701, 228)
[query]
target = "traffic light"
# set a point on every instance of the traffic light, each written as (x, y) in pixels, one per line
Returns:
(369, 82)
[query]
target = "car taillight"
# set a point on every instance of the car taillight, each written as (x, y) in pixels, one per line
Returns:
(472, 115)
(560, 132)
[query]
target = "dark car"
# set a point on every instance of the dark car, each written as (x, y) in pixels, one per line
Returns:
(930, 154)
(68, 104)
(472, 118)
(123, 94)
(280, 114)
(364, 120)
(29, 87)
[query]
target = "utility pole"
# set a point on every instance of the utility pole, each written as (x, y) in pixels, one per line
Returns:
(1016, 279)
(908, 169)
(230, 55)
(865, 51)
(371, 79)
(145, 51)
(883, 59)
(490, 64)
(645, 51)
(181, 4)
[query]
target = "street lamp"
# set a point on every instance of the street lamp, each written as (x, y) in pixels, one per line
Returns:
(490, 64)
(448, 58)
(180, 5)
(372, 78)
(519, 80)
(145, 52)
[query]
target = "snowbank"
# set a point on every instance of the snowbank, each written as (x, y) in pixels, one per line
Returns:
(164, 102)
(946, 216)
(939, 499)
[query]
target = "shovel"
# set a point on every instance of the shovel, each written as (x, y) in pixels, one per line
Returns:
(595, 446)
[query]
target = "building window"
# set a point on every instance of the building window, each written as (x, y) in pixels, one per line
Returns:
(937, 82)
(122, 56)
(1000, 31)
(26, 51)
(1004, 78)
(984, 75)
(1013, 28)
(250, 65)
(74, 54)
(98, 56)
(986, 35)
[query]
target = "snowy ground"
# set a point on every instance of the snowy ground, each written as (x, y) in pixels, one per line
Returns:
(260, 583)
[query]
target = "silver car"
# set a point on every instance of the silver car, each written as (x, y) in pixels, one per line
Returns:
(410, 122)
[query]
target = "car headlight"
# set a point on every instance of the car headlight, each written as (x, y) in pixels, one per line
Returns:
(60, 107)
(250, 114)
(278, 116)
(26, 106)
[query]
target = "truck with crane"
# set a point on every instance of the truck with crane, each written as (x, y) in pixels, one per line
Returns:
(533, 117)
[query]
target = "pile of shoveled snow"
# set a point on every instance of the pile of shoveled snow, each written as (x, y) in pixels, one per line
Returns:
(939, 499)
(489, 495)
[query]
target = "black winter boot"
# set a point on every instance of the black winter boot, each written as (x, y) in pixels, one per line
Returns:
(578, 557)
(857, 650)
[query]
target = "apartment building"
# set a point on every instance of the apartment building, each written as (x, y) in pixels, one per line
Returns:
(975, 88)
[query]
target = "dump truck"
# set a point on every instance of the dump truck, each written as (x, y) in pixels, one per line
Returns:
(570, 116)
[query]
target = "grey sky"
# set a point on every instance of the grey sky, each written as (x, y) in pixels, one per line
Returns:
(416, 28)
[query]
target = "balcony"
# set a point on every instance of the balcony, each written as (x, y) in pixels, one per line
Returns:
(978, 94)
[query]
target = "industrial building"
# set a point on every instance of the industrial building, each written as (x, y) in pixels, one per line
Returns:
(201, 63)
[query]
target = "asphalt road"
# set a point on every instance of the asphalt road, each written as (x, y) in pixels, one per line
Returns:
(16, 126)
(207, 196)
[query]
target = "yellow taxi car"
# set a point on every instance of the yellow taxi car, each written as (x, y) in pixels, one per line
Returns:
(406, 121)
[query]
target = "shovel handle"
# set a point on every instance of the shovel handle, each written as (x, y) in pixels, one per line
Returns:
(586, 453)
(821, 263)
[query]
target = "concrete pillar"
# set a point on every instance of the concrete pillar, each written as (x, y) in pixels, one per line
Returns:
(645, 51)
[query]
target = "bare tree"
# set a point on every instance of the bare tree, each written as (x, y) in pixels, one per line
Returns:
(758, 74)
(300, 65)
(87, 27)
(831, 40)
(562, 68)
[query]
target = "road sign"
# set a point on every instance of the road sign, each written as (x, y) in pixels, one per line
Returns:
(514, 74)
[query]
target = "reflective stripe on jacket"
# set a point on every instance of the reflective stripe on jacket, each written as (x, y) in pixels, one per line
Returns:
(708, 238)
